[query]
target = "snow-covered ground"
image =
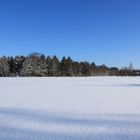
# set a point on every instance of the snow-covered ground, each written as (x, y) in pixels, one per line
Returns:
(96, 108)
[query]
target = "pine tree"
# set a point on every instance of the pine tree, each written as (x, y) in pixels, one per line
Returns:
(4, 67)
(55, 66)
(34, 65)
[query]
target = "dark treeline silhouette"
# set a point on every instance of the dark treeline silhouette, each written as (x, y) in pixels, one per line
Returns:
(37, 64)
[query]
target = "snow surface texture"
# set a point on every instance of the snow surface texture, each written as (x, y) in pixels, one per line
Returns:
(92, 108)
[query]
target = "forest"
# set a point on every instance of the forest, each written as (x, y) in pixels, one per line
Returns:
(39, 65)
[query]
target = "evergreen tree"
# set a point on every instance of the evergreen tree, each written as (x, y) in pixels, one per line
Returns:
(4, 67)
(85, 69)
(66, 67)
(49, 66)
(55, 66)
(34, 65)
(17, 64)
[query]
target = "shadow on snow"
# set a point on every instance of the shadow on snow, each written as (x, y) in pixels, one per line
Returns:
(123, 126)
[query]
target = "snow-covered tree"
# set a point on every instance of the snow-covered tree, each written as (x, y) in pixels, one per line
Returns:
(4, 66)
(34, 65)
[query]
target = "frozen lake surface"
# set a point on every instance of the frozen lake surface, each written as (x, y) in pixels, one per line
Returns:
(92, 108)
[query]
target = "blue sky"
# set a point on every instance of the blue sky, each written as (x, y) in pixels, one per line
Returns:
(103, 31)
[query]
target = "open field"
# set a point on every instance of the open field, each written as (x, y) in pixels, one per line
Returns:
(96, 108)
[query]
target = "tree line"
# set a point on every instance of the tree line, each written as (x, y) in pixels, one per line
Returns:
(37, 64)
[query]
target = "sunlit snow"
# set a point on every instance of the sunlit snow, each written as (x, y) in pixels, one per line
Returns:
(96, 108)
